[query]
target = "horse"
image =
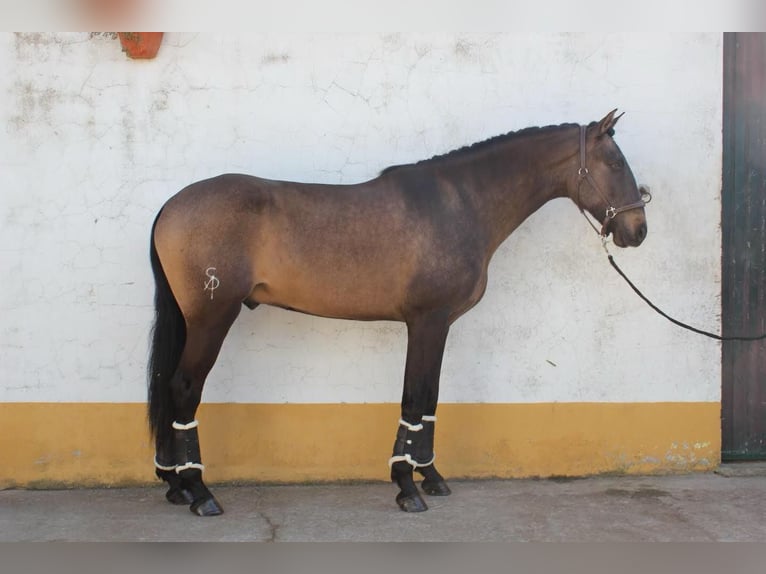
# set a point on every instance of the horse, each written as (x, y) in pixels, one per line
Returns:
(412, 245)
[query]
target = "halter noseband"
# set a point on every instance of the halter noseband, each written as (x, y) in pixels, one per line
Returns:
(611, 212)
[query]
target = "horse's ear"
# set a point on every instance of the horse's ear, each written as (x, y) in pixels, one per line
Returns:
(606, 126)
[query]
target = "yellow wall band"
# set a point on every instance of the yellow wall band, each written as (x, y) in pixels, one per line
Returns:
(107, 444)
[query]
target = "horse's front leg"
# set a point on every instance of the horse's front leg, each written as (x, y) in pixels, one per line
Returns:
(413, 448)
(433, 482)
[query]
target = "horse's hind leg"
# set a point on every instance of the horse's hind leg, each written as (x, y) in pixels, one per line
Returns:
(413, 448)
(203, 342)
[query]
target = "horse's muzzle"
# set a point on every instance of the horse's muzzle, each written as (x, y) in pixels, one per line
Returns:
(630, 231)
(629, 228)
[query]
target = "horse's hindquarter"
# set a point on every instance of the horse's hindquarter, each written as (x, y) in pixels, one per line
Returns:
(357, 252)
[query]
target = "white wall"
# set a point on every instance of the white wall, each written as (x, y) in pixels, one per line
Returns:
(94, 143)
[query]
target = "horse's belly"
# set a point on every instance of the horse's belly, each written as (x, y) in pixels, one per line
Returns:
(331, 298)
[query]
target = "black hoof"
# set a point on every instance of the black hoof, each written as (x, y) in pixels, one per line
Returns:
(438, 488)
(411, 503)
(206, 507)
(179, 496)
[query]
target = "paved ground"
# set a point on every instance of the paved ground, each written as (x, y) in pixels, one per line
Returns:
(727, 505)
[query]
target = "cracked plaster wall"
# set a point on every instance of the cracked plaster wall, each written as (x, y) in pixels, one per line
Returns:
(94, 143)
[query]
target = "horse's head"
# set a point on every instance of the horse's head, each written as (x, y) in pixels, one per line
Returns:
(605, 185)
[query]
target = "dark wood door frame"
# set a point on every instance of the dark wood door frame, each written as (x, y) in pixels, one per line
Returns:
(743, 296)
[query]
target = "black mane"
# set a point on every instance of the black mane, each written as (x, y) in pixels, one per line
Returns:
(479, 146)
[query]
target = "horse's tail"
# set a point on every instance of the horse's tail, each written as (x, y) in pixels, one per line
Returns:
(168, 339)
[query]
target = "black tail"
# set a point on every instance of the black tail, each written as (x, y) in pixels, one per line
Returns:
(168, 339)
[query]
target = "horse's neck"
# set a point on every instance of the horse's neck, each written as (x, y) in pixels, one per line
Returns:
(513, 183)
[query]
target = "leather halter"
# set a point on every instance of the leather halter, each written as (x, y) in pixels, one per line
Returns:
(611, 212)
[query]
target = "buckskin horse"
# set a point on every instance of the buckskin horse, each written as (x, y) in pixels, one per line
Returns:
(411, 245)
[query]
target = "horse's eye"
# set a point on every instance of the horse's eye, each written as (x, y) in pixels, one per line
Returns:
(619, 164)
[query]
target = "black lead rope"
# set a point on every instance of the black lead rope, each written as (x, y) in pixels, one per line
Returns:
(676, 321)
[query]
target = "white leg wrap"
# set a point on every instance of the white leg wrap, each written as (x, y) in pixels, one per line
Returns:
(405, 450)
(187, 446)
(180, 426)
(162, 466)
(188, 465)
(413, 428)
(409, 460)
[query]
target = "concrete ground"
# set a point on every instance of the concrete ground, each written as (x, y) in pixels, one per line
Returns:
(728, 505)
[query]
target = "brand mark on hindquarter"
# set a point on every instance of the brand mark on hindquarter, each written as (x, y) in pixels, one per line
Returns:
(212, 283)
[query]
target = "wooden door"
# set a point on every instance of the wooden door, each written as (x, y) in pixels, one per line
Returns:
(744, 246)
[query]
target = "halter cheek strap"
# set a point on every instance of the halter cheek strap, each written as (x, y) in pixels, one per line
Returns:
(611, 211)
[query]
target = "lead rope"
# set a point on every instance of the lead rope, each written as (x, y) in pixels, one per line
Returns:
(668, 317)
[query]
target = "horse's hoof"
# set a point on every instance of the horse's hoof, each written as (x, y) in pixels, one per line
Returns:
(411, 503)
(438, 488)
(206, 507)
(179, 496)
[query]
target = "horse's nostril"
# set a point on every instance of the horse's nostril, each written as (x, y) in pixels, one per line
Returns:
(641, 232)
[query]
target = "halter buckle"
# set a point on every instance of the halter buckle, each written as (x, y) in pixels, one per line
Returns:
(611, 213)
(583, 171)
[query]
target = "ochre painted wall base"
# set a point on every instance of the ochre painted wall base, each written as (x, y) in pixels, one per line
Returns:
(49, 445)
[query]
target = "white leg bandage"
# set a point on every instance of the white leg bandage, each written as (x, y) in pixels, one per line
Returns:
(188, 426)
(412, 445)
(409, 460)
(411, 427)
(187, 446)
(162, 466)
(181, 467)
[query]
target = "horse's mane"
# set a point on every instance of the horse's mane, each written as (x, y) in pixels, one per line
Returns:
(482, 145)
